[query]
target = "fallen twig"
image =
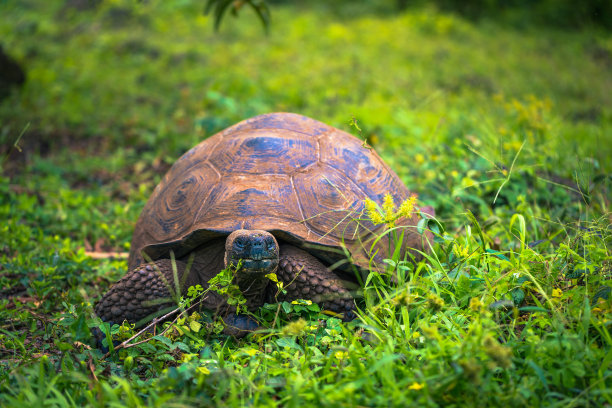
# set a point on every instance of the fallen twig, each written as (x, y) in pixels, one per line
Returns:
(106, 255)
(126, 343)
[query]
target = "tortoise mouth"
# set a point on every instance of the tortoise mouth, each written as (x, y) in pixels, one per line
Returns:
(259, 266)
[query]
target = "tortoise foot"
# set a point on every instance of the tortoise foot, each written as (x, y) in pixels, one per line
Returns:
(239, 325)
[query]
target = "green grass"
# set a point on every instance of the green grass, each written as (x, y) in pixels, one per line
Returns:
(507, 133)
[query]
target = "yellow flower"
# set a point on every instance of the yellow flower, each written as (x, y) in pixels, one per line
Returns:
(435, 302)
(372, 210)
(419, 158)
(388, 207)
(431, 332)
(416, 386)
(407, 207)
(557, 292)
(461, 251)
(499, 354)
(340, 355)
(476, 305)
(294, 328)
(388, 215)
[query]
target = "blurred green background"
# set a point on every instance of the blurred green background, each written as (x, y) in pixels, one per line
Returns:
(123, 88)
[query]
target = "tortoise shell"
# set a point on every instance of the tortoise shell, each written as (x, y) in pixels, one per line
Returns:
(301, 180)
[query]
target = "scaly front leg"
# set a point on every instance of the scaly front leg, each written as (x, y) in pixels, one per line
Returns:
(305, 277)
(142, 292)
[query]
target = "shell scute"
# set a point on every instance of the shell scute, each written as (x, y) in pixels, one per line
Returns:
(344, 153)
(330, 202)
(264, 152)
(265, 201)
(172, 209)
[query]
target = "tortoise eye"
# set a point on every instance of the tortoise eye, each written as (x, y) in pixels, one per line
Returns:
(239, 244)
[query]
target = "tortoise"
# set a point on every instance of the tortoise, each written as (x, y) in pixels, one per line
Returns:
(278, 193)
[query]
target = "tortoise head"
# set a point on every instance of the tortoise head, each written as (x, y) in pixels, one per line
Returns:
(256, 250)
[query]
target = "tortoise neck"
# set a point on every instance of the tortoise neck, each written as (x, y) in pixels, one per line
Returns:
(252, 286)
